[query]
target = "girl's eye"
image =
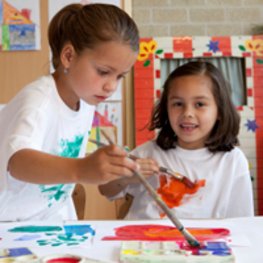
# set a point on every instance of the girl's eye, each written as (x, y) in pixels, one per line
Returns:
(120, 77)
(177, 104)
(199, 104)
(102, 72)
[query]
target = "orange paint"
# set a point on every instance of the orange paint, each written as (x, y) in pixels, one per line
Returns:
(176, 233)
(172, 191)
(163, 232)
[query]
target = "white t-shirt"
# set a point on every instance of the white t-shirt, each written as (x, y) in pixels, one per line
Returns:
(37, 118)
(227, 191)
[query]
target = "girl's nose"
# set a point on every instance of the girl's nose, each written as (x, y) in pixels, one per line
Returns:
(110, 86)
(188, 111)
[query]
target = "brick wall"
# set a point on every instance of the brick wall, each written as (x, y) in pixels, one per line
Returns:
(197, 17)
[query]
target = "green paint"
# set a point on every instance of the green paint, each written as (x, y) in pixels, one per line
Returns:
(55, 192)
(60, 192)
(57, 189)
(62, 239)
(5, 37)
(71, 148)
(35, 229)
(98, 134)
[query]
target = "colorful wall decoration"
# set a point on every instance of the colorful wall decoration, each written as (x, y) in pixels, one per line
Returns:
(108, 117)
(147, 81)
(19, 25)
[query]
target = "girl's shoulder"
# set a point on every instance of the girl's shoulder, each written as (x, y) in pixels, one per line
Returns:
(146, 149)
(44, 84)
(236, 153)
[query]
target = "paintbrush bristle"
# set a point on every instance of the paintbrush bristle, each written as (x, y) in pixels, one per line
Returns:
(188, 182)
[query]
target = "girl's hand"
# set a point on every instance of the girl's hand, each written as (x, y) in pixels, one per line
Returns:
(148, 167)
(106, 164)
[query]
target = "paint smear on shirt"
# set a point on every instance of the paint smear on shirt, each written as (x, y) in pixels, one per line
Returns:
(172, 191)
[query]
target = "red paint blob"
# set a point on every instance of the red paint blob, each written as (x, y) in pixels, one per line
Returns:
(64, 260)
(162, 233)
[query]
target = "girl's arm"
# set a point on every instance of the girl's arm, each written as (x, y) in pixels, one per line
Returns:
(147, 167)
(105, 164)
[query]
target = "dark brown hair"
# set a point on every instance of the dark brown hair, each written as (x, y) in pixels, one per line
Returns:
(223, 136)
(85, 26)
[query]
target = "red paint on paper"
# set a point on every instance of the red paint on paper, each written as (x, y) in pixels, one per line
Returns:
(165, 233)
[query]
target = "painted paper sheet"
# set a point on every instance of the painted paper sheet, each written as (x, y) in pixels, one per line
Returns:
(165, 233)
(47, 235)
(19, 25)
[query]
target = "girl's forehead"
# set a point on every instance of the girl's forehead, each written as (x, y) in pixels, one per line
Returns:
(112, 53)
(191, 85)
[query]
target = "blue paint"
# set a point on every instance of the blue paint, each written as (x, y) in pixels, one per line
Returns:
(16, 252)
(217, 248)
(79, 230)
(27, 237)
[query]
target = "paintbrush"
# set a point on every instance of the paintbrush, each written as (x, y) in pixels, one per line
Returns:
(178, 176)
(188, 236)
(162, 169)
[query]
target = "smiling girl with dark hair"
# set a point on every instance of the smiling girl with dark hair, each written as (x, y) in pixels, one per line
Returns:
(198, 127)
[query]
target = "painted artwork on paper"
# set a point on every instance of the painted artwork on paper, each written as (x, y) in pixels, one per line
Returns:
(19, 25)
(108, 117)
(41, 235)
(165, 233)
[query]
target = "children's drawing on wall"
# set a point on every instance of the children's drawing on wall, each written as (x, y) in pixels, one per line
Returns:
(108, 117)
(19, 20)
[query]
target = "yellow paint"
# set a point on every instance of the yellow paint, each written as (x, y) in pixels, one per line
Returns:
(130, 252)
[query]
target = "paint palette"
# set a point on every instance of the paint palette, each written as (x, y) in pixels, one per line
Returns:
(17, 255)
(170, 252)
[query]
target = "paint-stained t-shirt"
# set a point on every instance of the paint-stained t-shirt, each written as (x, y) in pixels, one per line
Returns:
(224, 187)
(38, 119)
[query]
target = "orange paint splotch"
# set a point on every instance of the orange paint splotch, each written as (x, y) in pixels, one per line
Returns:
(172, 190)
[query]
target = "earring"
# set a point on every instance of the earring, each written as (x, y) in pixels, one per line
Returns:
(65, 71)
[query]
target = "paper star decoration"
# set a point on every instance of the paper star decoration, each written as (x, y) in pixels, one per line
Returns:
(251, 125)
(213, 46)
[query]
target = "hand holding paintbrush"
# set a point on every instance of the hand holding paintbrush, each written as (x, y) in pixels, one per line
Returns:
(188, 236)
(162, 169)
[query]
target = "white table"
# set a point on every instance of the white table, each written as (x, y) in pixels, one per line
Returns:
(246, 235)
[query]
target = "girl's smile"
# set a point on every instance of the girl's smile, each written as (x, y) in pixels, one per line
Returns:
(192, 110)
